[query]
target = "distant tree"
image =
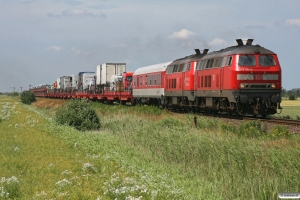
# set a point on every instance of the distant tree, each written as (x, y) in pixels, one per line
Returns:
(13, 94)
(27, 97)
(292, 97)
(283, 92)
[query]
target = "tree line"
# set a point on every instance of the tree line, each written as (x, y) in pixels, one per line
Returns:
(292, 94)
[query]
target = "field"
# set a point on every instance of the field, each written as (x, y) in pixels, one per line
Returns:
(290, 108)
(141, 153)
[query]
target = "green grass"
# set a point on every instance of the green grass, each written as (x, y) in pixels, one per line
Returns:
(291, 108)
(144, 152)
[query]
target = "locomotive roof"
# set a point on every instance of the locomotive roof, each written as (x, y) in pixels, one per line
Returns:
(193, 57)
(152, 68)
(244, 49)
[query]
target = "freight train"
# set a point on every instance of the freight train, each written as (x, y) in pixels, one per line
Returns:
(243, 80)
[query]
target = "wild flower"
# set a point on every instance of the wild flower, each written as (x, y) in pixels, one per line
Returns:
(89, 167)
(10, 187)
(133, 198)
(66, 172)
(63, 183)
(42, 194)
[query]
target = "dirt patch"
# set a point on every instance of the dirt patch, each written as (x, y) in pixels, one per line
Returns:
(48, 103)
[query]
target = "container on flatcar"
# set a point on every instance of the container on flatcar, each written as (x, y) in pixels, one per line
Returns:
(106, 70)
(65, 82)
(84, 78)
(74, 81)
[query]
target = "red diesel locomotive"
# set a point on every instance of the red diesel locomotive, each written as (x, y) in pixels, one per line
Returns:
(242, 79)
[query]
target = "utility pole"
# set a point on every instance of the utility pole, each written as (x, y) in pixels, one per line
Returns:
(21, 89)
(29, 86)
(12, 87)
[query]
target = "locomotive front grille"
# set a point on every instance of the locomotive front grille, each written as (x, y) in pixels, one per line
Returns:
(258, 86)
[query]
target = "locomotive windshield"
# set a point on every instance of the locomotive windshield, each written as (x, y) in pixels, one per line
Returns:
(266, 60)
(247, 60)
(129, 78)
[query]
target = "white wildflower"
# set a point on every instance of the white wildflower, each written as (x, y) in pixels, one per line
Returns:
(63, 183)
(42, 194)
(66, 172)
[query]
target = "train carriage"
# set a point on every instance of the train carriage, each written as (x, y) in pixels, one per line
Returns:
(149, 84)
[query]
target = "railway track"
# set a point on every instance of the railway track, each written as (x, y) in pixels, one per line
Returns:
(289, 122)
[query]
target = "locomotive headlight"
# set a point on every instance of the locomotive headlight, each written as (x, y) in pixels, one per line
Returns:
(242, 85)
(273, 85)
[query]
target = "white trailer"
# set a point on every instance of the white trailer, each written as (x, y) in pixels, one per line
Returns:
(74, 81)
(65, 82)
(84, 79)
(106, 71)
(58, 83)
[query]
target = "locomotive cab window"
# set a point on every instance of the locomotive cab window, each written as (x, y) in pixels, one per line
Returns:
(247, 60)
(266, 60)
(187, 67)
(170, 69)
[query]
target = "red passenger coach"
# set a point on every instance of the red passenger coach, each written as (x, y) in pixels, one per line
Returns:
(149, 83)
(179, 87)
(243, 79)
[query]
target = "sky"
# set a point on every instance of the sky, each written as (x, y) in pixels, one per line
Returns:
(41, 41)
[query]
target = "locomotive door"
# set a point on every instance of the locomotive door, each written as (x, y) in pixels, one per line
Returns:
(221, 79)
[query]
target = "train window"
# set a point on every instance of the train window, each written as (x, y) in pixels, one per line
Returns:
(224, 61)
(175, 69)
(170, 69)
(217, 62)
(141, 80)
(221, 61)
(211, 63)
(203, 64)
(247, 60)
(266, 60)
(188, 67)
(180, 69)
(208, 63)
(229, 61)
(199, 64)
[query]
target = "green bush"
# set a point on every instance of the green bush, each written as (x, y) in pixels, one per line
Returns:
(292, 97)
(27, 97)
(13, 94)
(79, 114)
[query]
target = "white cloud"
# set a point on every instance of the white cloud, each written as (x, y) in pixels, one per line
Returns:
(54, 48)
(295, 22)
(217, 42)
(77, 12)
(182, 34)
(79, 52)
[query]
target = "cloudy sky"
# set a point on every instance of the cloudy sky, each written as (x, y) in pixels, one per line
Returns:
(43, 40)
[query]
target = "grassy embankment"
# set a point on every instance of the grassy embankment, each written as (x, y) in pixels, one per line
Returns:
(143, 152)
